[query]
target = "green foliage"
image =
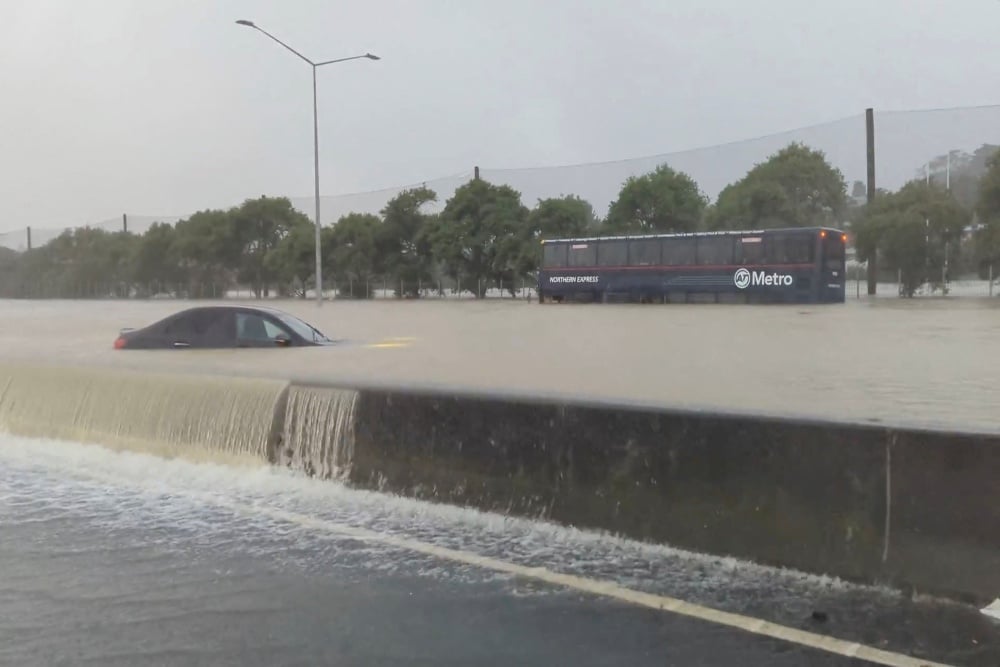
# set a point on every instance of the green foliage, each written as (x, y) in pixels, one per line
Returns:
(987, 238)
(258, 227)
(663, 200)
(910, 230)
(479, 237)
(561, 217)
(208, 250)
(795, 187)
(403, 247)
(292, 262)
(988, 203)
(354, 244)
(155, 262)
(553, 218)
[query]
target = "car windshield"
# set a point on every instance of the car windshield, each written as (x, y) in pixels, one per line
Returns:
(303, 329)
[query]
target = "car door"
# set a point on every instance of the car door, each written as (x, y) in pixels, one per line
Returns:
(202, 328)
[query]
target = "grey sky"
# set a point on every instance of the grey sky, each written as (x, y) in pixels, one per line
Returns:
(166, 107)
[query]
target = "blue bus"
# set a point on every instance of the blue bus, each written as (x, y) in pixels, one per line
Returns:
(790, 265)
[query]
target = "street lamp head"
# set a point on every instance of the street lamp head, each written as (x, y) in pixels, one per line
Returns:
(246, 23)
(372, 56)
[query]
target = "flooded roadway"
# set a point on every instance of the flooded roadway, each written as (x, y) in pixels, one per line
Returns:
(117, 558)
(927, 361)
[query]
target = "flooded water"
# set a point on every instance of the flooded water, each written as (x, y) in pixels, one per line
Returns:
(927, 361)
(121, 558)
(117, 557)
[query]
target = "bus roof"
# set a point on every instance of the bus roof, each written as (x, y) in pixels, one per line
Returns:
(728, 232)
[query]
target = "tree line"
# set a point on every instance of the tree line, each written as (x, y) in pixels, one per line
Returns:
(485, 236)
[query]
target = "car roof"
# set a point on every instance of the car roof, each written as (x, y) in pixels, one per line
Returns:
(236, 306)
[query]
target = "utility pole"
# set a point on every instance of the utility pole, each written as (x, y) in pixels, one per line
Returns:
(870, 143)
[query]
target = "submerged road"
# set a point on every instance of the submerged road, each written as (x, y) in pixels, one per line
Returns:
(926, 361)
(106, 563)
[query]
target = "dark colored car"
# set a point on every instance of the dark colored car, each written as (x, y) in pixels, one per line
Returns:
(223, 327)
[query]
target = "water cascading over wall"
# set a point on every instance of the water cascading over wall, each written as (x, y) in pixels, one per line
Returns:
(203, 418)
(317, 434)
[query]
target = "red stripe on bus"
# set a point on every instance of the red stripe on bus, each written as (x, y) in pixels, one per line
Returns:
(687, 267)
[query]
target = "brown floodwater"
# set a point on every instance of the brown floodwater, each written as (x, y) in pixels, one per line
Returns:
(929, 361)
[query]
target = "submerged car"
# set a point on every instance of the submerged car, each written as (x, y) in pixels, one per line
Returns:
(223, 327)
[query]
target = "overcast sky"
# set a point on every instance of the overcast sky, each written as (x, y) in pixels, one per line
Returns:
(167, 107)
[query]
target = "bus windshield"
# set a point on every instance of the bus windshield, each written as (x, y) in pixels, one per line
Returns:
(833, 252)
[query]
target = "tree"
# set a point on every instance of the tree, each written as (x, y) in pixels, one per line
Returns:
(663, 200)
(479, 236)
(292, 262)
(795, 187)
(404, 250)
(208, 251)
(259, 225)
(155, 265)
(354, 251)
(84, 262)
(562, 217)
(960, 172)
(912, 230)
(10, 265)
(988, 202)
(553, 218)
(987, 237)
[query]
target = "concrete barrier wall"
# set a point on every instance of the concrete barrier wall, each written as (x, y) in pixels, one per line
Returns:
(906, 507)
(945, 513)
(876, 504)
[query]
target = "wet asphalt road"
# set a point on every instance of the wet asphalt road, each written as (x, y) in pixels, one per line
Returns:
(108, 560)
(128, 605)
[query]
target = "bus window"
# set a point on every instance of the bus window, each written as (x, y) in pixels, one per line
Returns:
(791, 248)
(644, 252)
(715, 250)
(554, 255)
(678, 252)
(750, 250)
(582, 254)
(612, 253)
(833, 252)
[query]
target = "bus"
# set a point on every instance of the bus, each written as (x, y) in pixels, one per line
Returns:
(789, 265)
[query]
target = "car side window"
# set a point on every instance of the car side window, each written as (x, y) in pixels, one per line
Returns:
(195, 325)
(253, 327)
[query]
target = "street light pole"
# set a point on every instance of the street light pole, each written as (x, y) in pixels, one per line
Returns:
(314, 65)
(319, 225)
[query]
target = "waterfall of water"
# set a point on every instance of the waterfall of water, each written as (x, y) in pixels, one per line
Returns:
(318, 431)
(192, 416)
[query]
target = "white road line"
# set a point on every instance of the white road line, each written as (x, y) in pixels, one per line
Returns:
(602, 588)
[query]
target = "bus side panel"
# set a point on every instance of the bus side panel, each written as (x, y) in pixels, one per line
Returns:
(763, 284)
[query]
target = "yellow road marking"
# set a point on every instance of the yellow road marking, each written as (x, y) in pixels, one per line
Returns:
(398, 341)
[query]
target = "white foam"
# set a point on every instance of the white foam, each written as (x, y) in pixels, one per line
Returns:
(536, 543)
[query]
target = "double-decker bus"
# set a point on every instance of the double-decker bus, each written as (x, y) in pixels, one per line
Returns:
(790, 265)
